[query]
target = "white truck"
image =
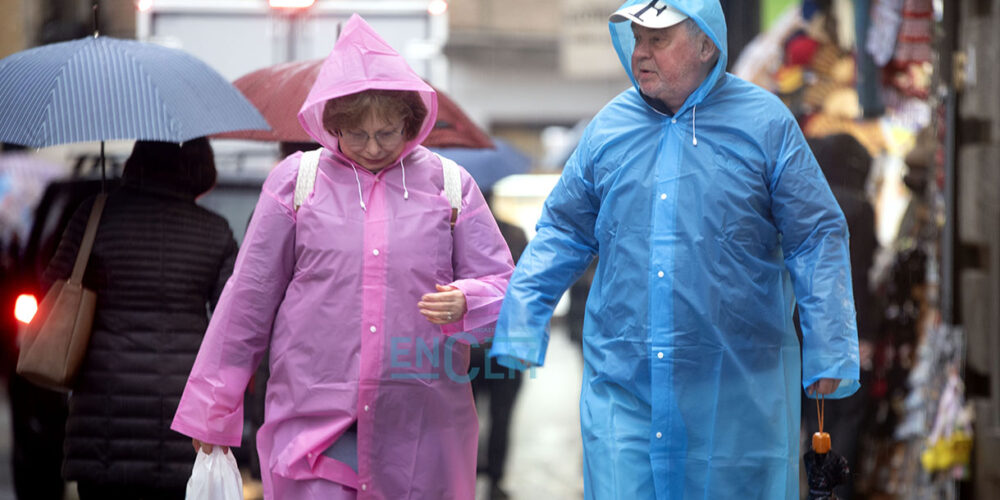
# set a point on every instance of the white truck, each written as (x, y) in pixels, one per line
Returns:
(236, 37)
(239, 36)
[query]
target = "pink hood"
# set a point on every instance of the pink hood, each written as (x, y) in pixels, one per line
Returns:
(362, 60)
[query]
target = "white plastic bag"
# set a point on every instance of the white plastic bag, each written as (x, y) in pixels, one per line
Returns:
(215, 476)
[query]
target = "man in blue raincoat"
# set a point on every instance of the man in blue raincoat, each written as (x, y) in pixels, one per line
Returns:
(712, 220)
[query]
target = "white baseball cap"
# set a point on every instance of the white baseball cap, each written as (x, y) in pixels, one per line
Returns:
(654, 14)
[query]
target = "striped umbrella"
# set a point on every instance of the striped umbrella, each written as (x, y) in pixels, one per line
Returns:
(102, 88)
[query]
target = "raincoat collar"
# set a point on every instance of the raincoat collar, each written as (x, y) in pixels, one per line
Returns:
(362, 60)
(708, 14)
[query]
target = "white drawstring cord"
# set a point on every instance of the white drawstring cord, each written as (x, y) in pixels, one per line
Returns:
(360, 196)
(406, 194)
(694, 132)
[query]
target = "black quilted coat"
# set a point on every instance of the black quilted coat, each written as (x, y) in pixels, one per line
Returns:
(159, 262)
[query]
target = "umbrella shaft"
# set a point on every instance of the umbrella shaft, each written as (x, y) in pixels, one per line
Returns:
(104, 177)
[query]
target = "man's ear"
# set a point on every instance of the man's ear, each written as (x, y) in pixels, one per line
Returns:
(707, 49)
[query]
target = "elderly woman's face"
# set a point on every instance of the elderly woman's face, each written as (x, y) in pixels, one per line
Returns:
(375, 144)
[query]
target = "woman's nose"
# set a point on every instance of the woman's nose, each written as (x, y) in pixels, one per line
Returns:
(372, 146)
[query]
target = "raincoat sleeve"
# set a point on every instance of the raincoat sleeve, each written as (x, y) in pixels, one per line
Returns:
(815, 244)
(563, 247)
(482, 265)
(211, 408)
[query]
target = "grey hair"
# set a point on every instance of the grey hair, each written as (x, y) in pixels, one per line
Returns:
(692, 27)
(693, 30)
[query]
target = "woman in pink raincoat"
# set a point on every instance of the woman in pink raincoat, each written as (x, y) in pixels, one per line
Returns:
(366, 297)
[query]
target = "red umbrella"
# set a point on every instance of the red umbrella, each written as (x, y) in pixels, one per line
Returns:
(279, 91)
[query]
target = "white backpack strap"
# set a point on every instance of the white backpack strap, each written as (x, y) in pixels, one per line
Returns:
(307, 176)
(452, 187)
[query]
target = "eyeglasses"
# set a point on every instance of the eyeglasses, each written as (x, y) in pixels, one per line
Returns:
(385, 140)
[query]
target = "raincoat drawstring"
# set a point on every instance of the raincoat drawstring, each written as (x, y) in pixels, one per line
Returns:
(694, 132)
(406, 194)
(360, 195)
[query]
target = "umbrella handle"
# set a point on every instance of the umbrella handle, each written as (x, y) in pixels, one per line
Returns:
(821, 440)
(820, 410)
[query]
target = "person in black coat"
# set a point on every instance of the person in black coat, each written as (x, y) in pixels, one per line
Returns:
(845, 163)
(499, 383)
(159, 262)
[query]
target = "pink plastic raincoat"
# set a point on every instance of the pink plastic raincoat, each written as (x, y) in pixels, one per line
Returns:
(333, 289)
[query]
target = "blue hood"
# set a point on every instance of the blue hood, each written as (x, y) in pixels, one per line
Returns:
(708, 15)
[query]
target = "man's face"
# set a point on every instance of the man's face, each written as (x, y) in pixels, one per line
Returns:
(670, 63)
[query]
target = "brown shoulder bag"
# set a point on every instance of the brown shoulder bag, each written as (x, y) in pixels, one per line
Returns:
(55, 342)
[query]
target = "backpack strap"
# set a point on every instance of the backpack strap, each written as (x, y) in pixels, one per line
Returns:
(306, 179)
(452, 187)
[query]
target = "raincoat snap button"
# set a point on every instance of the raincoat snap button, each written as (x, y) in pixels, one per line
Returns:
(663, 196)
(366, 407)
(373, 328)
(660, 274)
(364, 487)
(375, 251)
(659, 355)
(674, 120)
(659, 435)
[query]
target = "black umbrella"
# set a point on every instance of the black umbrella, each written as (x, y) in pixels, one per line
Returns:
(825, 469)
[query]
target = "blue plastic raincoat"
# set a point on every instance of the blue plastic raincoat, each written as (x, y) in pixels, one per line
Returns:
(692, 367)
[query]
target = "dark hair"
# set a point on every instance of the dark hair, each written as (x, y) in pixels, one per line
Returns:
(349, 111)
(844, 160)
(187, 169)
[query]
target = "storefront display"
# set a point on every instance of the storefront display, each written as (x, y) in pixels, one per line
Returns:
(870, 74)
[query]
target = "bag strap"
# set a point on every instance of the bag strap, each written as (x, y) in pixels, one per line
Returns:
(306, 179)
(83, 255)
(452, 187)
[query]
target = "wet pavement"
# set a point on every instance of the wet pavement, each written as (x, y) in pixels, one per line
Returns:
(6, 474)
(545, 458)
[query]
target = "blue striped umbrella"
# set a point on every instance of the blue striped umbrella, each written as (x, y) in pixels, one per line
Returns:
(102, 88)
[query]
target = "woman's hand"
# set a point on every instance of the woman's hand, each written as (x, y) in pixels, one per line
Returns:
(207, 448)
(824, 386)
(445, 306)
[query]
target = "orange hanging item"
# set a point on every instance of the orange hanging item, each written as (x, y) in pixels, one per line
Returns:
(821, 440)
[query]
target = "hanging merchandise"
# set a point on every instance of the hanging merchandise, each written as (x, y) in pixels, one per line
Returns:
(816, 76)
(762, 57)
(843, 12)
(913, 45)
(868, 81)
(950, 443)
(886, 17)
(936, 431)
(909, 71)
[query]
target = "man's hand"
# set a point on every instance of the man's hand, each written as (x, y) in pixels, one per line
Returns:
(207, 448)
(824, 386)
